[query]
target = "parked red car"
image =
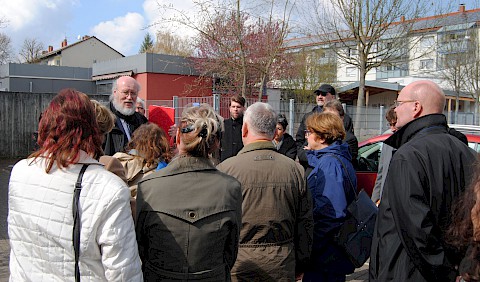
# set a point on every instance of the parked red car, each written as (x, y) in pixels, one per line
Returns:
(369, 154)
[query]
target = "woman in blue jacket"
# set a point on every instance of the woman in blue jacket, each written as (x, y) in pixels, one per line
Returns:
(330, 179)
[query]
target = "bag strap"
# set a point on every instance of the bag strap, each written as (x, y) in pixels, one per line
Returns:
(76, 220)
(346, 173)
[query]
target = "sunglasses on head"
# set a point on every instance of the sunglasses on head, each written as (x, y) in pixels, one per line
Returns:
(321, 93)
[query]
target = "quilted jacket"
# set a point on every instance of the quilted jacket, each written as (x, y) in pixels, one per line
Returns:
(40, 224)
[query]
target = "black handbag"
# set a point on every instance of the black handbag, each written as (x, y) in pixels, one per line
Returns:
(76, 221)
(355, 234)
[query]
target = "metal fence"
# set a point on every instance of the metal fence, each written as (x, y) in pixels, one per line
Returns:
(20, 113)
(372, 122)
(220, 104)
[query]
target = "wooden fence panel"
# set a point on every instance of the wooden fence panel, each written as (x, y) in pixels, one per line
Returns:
(19, 114)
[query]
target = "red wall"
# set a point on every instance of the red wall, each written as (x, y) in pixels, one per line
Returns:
(156, 86)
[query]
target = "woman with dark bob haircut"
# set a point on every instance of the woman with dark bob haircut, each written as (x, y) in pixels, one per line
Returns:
(40, 203)
(189, 213)
(284, 142)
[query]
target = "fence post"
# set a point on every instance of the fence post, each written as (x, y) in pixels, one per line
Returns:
(216, 103)
(177, 109)
(291, 118)
(381, 120)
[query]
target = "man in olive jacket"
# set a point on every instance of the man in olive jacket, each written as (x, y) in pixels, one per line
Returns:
(427, 173)
(277, 223)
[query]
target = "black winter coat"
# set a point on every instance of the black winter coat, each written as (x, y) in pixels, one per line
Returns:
(231, 142)
(426, 175)
(288, 147)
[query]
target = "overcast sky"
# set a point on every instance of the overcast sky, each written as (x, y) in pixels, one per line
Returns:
(122, 24)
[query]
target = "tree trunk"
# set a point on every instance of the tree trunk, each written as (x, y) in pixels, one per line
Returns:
(475, 111)
(360, 100)
(261, 92)
(457, 102)
(244, 80)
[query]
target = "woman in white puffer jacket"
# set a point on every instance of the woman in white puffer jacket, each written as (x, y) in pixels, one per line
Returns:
(41, 190)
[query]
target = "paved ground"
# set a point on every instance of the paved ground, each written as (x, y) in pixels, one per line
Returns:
(5, 168)
(361, 274)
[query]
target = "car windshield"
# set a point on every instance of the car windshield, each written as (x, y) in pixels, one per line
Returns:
(369, 156)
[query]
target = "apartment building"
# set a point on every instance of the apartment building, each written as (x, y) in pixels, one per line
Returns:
(436, 46)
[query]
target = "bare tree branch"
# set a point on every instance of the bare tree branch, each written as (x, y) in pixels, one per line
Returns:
(31, 50)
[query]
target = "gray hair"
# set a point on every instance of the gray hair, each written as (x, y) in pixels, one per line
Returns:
(115, 87)
(336, 106)
(262, 119)
(141, 101)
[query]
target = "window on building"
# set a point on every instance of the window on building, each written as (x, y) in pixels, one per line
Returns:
(104, 89)
(426, 64)
(352, 52)
(427, 42)
(351, 71)
(390, 68)
(57, 62)
(452, 36)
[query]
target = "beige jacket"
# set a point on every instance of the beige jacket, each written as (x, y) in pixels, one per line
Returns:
(135, 169)
(277, 223)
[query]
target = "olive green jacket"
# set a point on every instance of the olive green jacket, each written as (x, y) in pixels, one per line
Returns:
(188, 222)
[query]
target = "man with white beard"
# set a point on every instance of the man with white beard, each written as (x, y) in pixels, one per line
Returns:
(122, 103)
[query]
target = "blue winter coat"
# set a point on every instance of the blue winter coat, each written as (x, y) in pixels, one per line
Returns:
(328, 183)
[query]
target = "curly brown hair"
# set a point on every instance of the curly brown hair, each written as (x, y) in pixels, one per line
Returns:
(464, 231)
(151, 143)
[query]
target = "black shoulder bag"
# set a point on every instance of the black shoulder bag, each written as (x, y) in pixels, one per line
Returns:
(76, 220)
(355, 234)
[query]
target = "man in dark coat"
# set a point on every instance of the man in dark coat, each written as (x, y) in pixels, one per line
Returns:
(324, 93)
(231, 142)
(427, 173)
(122, 104)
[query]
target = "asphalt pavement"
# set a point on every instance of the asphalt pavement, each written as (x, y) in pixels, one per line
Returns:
(360, 275)
(5, 169)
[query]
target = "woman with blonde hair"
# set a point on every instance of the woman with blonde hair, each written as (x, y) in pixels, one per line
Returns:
(189, 213)
(332, 182)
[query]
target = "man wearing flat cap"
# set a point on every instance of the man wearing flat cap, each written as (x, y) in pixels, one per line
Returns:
(324, 93)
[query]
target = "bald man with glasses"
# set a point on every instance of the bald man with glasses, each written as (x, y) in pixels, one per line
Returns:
(122, 103)
(428, 171)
